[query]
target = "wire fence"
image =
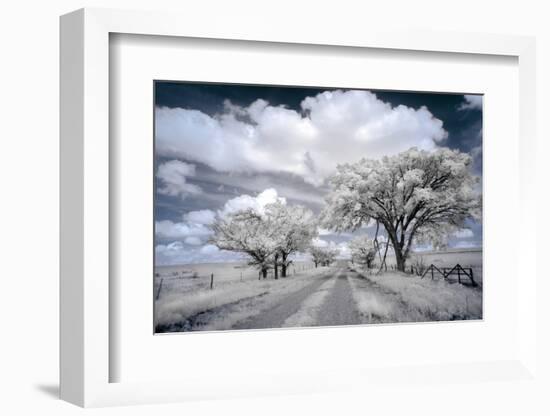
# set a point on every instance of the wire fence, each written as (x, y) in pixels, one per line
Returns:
(191, 278)
(466, 275)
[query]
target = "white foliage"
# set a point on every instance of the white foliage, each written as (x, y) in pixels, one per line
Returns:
(196, 223)
(324, 256)
(257, 203)
(268, 235)
(362, 250)
(295, 227)
(415, 194)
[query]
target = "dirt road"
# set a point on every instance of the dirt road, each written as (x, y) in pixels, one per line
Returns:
(337, 308)
(336, 297)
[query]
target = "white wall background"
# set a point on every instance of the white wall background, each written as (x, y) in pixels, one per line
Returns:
(29, 207)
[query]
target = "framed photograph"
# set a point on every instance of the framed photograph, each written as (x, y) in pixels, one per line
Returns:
(321, 202)
(282, 207)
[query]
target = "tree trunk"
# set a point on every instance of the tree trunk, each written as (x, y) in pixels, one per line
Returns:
(399, 259)
(316, 264)
(283, 266)
(397, 249)
(377, 245)
(264, 273)
(276, 267)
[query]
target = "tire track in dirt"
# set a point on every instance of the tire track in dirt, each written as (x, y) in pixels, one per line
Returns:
(276, 315)
(339, 307)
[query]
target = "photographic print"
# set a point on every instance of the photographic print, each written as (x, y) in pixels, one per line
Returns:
(282, 206)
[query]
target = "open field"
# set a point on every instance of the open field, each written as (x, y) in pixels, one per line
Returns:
(340, 294)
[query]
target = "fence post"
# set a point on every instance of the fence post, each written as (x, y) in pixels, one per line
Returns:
(212, 281)
(160, 288)
(472, 277)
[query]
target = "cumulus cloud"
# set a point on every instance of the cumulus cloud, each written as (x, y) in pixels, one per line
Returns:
(342, 247)
(343, 251)
(209, 249)
(464, 233)
(381, 238)
(476, 152)
(173, 179)
(320, 243)
(169, 249)
(256, 203)
(178, 253)
(169, 253)
(203, 216)
(472, 102)
(180, 230)
(332, 127)
(467, 244)
(193, 241)
(194, 230)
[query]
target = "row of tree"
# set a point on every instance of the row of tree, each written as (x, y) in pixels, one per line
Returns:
(323, 256)
(269, 238)
(415, 196)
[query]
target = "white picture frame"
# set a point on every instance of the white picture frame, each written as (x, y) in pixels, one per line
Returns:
(86, 355)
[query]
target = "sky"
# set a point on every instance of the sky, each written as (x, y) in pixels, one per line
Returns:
(224, 147)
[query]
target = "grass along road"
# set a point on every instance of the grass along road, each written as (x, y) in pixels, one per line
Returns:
(240, 305)
(340, 296)
(350, 298)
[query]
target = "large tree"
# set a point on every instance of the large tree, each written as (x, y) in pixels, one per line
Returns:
(269, 237)
(247, 232)
(295, 227)
(414, 195)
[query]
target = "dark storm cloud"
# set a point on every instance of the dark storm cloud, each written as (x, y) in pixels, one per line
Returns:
(209, 98)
